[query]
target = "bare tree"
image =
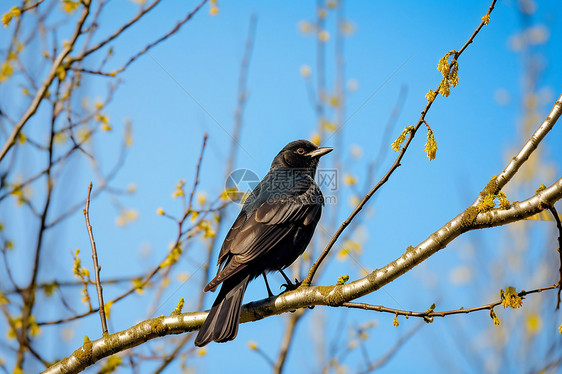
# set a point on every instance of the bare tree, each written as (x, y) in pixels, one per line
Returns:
(54, 86)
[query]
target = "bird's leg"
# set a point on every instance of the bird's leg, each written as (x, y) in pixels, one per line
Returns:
(290, 285)
(267, 285)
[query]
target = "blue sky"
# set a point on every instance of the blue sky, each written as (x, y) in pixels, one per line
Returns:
(187, 87)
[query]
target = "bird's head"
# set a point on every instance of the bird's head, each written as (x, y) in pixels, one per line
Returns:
(300, 154)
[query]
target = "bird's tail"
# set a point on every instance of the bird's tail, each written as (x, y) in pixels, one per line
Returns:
(222, 321)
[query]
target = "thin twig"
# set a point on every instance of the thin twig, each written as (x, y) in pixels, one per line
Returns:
(385, 138)
(28, 295)
(559, 226)
(242, 91)
(167, 360)
(97, 268)
(393, 350)
(117, 32)
(46, 83)
(145, 49)
(32, 6)
(383, 309)
(484, 22)
(321, 68)
(288, 338)
(195, 183)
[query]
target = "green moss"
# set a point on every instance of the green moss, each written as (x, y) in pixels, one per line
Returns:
(325, 290)
(487, 203)
(158, 327)
(335, 297)
(84, 353)
(491, 188)
(469, 216)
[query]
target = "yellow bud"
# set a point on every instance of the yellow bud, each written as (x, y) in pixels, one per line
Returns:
(107, 308)
(347, 28)
(510, 298)
(329, 126)
(324, 36)
(334, 101)
(398, 142)
(182, 277)
(14, 12)
(349, 180)
(315, 138)
(60, 72)
(494, 317)
(6, 70)
(305, 71)
(430, 95)
(22, 138)
(201, 198)
(430, 146)
(70, 6)
(305, 27)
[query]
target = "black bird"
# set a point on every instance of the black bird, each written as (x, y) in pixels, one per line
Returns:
(272, 230)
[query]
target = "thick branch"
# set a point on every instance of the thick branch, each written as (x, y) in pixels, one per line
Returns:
(530, 146)
(302, 297)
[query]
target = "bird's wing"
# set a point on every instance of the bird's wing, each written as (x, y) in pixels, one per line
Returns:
(268, 224)
(230, 236)
(296, 203)
(256, 234)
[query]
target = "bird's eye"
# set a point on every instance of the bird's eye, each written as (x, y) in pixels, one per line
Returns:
(300, 151)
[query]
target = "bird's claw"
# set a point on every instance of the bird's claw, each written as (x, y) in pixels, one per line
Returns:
(290, 286)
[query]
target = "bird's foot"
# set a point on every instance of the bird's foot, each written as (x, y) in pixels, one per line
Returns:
(290, 286)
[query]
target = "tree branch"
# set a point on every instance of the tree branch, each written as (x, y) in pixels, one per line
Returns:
(408, 313)
(46, 83)
(288, 336)
(530, 146)
(559, 227)
(97, 268)
(324, 254)
(302, 297)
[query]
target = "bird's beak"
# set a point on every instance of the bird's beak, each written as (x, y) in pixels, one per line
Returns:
(319, 152)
